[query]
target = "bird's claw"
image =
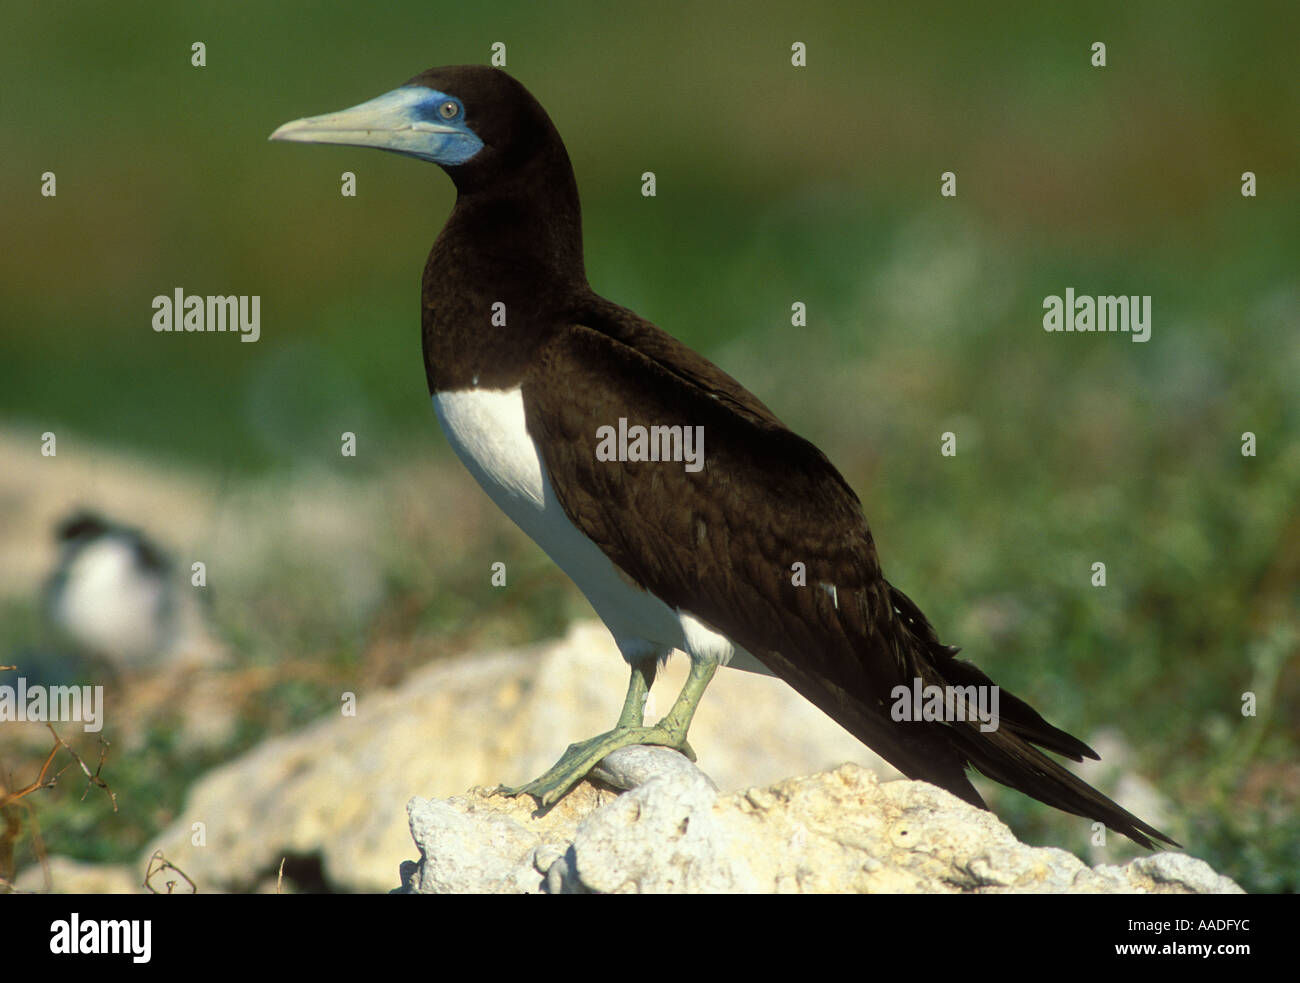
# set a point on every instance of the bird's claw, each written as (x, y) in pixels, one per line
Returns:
(578, 760)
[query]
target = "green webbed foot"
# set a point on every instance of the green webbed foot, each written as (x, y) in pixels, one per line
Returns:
(580, 758)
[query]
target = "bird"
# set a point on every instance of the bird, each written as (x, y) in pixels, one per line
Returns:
(113, 591)
(117, 596)
(672, 496)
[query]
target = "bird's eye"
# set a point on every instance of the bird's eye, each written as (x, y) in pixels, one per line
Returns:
(448, 110)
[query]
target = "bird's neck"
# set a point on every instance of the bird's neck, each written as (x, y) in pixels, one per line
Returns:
(506, 266)
(515, 234)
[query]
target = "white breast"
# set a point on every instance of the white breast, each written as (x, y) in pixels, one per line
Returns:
(111, 606)
(486, 429)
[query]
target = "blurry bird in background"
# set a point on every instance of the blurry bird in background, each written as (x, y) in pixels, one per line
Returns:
(119, 598)
(113, 593)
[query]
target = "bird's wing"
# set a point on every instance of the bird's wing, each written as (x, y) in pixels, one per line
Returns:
(725, 543)
(766, 543)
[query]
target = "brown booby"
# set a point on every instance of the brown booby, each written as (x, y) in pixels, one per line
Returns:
(689, 515)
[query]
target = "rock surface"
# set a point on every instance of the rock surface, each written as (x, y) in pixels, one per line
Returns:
(67, 876)
(839, 831)
(330, 798)
(336, 790)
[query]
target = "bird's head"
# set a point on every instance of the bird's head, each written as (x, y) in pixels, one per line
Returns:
(472, 120)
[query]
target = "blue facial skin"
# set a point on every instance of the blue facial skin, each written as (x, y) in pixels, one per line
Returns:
(413, 120)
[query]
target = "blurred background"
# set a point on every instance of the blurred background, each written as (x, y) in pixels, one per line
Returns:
(775, 184)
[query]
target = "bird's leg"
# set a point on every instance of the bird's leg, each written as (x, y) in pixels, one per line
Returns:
(638, 688)
(580, 758)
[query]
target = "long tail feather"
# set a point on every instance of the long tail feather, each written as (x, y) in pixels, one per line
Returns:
(1008, 754)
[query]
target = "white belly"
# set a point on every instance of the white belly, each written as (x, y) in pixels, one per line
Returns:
(486, 429)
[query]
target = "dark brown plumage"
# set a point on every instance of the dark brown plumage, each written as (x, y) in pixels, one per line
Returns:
(721, 543)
